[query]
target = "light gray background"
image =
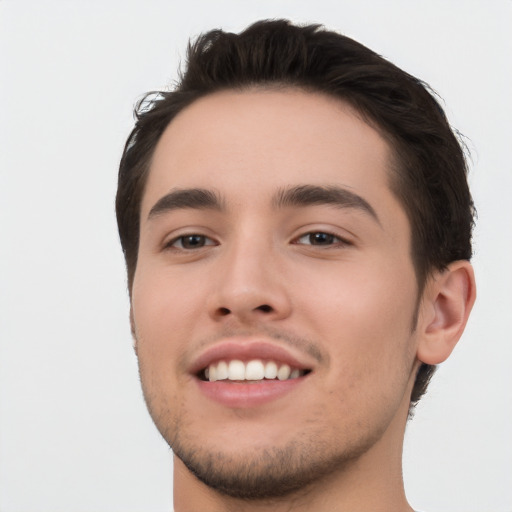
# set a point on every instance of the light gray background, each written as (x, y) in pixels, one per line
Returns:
(74, 432)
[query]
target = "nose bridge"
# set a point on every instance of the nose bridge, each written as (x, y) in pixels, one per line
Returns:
(248, 282)
(249, 263)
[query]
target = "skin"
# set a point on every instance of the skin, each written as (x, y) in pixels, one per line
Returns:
(350, 302)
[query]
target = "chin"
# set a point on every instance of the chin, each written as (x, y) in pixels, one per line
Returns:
(270, 470)
(262, 474)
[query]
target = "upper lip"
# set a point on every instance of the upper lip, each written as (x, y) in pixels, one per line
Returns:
(246, 350)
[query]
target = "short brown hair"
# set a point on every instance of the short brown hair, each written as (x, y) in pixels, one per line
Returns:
(429, 175)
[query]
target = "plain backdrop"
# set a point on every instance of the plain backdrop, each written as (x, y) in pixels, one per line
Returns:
(74, 432)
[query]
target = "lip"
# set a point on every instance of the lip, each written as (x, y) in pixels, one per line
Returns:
(244, 394)
(246, 350)
(237, 395)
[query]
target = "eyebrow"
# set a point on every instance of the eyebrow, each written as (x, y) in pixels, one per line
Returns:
(299, 196)
(310, 195)
(189, 198)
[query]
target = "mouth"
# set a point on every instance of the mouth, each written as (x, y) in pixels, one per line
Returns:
(252, 371)
(243, 373)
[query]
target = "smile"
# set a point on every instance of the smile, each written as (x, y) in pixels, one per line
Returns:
(254, 370)
(242, 373)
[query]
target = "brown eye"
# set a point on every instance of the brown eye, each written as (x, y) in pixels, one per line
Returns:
(319, 238)
(191, 242)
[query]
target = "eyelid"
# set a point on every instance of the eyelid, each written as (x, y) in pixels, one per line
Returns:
(170, 244)
(210, 241)
(340, 240)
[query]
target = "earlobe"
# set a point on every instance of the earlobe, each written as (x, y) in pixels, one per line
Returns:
(447, 302)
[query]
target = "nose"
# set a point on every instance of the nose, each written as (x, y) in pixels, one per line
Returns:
(249, 286)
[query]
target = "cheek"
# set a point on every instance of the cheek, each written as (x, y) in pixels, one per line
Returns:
(371, 300)
(165, 310)
(366, 329)
(364, 319)
(165, 319)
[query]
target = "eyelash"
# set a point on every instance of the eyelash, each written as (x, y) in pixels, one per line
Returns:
(335, 240)
(181, 238)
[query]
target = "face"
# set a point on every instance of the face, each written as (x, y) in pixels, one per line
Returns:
(270, 242)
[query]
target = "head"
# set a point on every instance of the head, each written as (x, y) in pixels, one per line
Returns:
(425, 166)
(428, 172)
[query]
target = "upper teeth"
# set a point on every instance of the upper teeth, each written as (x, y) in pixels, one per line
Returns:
(250, 370)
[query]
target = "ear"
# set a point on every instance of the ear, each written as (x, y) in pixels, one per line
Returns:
(448, 298)
(132, 328)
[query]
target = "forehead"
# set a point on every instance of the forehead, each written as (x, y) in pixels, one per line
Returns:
(256, 141)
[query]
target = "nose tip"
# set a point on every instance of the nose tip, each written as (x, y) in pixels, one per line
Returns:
(248, 283)
(249, 300)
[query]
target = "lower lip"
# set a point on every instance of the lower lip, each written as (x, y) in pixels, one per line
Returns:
(245, 395)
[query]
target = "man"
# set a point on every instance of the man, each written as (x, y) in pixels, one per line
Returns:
(296, 223)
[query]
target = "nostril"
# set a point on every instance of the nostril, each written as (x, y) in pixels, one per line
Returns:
(223, 311)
